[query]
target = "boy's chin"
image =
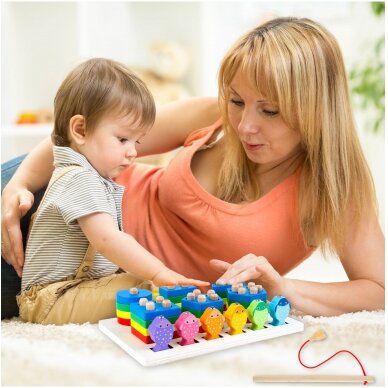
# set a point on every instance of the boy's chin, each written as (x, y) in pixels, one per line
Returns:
(114, 174)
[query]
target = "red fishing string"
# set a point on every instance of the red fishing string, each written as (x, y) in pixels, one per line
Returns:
(340, 351)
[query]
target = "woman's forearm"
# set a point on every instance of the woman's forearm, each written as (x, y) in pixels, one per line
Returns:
(327, 299)
(35, 170)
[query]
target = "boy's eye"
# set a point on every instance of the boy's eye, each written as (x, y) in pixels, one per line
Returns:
(123, 139)
(138, 142)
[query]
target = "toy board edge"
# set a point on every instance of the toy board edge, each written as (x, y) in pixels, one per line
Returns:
(141, 352)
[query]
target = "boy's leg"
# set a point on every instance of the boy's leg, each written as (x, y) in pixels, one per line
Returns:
(10, 281)
(92, 300)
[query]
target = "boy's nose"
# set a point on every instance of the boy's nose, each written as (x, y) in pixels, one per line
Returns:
(131, 152)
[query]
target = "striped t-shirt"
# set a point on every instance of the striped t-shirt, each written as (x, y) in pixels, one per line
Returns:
(57, 245)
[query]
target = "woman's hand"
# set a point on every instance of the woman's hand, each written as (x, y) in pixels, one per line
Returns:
(251, 268)
(167, 277)
(14, 205)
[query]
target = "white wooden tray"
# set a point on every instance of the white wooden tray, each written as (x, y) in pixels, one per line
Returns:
(144, 354)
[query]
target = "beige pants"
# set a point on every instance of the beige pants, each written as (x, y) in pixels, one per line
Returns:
(75, 301)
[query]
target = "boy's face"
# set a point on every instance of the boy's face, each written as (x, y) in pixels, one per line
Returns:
(111, 146)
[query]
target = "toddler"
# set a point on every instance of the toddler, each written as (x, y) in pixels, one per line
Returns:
(76, 244)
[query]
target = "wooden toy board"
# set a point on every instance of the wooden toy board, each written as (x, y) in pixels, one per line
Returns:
(144, 354)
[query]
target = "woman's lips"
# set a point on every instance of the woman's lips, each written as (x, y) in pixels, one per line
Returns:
(253, 147)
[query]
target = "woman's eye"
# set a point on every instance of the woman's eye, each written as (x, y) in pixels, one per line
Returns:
(270, 112)
(236, 102)
(123, 139)
(138, 142)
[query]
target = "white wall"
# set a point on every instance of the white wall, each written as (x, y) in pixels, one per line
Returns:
(39, 43)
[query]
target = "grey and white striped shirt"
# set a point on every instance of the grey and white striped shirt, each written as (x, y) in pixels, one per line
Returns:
(57, 245)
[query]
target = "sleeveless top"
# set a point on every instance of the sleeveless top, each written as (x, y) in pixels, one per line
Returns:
(168, 212)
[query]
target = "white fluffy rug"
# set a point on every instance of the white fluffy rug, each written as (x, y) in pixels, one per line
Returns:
(77, 355)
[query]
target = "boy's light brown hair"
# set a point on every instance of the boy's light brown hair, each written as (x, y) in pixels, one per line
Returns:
(96, 87)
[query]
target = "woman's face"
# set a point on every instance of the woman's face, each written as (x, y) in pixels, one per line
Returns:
(266, 138)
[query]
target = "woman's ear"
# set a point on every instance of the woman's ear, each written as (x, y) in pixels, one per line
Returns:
(77, 129)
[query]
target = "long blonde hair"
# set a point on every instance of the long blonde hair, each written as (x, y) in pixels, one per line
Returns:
(298, 63)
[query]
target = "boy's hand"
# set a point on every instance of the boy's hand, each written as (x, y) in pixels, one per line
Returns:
(167, 277)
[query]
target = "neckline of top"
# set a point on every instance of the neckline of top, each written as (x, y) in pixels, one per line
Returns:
(219, 204)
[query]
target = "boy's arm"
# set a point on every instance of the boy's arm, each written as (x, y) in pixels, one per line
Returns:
(123, 250)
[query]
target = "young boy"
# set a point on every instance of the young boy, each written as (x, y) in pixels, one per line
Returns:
(76, 244)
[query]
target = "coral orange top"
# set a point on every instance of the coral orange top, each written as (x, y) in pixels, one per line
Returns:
(171, 215)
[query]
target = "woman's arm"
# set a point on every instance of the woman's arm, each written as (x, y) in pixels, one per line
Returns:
(17, 198)
(175, 121)
(363, 261)
(35, 170)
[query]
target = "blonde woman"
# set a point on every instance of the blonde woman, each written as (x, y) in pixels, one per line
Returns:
(253, 195)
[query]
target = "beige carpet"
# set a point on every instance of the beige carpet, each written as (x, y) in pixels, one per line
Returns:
(76, 355)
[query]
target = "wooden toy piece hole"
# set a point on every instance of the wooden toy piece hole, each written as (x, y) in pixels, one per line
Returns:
(153, 345)
(178, 343)
(285, 323)
(200, 336)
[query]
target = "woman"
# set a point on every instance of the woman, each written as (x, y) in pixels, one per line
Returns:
(280, 175)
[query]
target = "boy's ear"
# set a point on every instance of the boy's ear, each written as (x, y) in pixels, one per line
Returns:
(77, 129)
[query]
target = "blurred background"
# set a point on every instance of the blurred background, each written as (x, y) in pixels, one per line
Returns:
(176, 47)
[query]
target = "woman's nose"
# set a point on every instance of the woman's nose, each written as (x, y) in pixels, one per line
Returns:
(249, 122)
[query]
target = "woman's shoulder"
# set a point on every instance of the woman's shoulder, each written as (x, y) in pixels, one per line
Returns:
(209, 134)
